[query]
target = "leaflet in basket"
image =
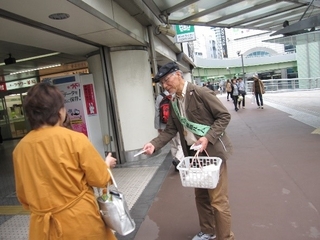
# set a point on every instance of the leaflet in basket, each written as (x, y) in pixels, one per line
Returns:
(199, 171)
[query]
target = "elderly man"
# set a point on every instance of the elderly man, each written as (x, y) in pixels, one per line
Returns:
(207, 119)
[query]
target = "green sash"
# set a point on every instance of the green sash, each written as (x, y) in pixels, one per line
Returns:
(196, 128)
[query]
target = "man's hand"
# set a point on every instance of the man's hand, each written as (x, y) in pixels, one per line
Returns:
(149, 148)
(204, 142)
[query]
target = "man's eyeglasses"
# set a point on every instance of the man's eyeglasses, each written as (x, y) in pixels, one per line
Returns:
(164, 80)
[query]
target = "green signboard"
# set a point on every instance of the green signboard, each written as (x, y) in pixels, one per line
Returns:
(185, 33)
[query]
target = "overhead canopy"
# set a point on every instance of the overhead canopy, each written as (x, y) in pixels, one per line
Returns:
(27, 34)
(250, 14)
(297, 39)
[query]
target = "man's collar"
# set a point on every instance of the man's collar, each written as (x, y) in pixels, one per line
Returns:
(184, 90)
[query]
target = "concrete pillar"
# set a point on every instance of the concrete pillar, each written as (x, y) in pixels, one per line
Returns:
(284, 73)
(95, 68)
(134, 97)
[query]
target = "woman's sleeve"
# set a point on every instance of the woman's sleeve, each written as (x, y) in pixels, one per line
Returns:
(19, 183)
(92, 164)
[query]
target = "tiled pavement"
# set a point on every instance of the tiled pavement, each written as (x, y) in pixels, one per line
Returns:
(267, 178)
(273, 176)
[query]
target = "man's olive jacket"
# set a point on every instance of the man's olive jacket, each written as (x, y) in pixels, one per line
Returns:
(202, 106)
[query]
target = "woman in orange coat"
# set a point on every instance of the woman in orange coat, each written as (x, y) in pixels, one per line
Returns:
(55, 169)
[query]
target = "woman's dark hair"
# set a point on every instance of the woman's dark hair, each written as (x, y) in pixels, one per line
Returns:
(42, 105)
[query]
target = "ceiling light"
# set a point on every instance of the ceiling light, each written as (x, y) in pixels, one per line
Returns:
(36, 69)
(39, 56)
(59, 16)
(35, 57)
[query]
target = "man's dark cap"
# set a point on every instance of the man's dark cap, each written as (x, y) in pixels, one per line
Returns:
(165, 70)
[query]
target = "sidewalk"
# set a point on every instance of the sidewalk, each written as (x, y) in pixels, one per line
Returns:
(273, 179)
(273, 176)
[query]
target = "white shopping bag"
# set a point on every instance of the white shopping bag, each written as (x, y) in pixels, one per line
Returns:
(253, 99)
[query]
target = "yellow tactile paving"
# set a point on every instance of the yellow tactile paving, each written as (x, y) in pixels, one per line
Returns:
(317, 131)
(13, 210)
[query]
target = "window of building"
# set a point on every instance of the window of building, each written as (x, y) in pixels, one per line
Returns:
(289, 48)
(258, 54)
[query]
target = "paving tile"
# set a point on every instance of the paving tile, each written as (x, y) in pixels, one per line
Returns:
(140, 181)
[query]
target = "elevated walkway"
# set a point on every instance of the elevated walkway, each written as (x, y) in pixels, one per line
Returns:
(273, 178)
(233, 66)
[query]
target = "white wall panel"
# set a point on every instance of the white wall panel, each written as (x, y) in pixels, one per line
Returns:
(133, 85)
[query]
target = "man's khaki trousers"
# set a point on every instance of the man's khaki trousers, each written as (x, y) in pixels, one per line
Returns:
(213, 208)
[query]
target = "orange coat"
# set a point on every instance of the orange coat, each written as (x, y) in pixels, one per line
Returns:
(54, 170)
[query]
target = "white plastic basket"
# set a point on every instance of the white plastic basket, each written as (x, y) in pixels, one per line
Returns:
(200, 172)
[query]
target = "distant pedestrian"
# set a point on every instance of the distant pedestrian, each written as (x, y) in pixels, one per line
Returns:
(258, 90)
(235, 94)
(228, 89)
(210, 86)
(242, 92)
(221, 87)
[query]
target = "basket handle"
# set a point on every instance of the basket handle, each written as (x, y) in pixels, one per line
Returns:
(196, 157)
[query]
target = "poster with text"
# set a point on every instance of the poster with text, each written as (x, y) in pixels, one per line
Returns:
(73, 104)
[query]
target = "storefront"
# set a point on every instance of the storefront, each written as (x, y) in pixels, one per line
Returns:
(13, 122)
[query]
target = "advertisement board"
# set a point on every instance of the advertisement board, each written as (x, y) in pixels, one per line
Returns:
(81, 105)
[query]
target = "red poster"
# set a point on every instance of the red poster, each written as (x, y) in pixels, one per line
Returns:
(3, 86)
(90, 99)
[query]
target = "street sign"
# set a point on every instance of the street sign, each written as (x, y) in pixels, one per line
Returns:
(185, 33)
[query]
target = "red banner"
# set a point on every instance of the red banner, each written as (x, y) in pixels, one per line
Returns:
(90, 99)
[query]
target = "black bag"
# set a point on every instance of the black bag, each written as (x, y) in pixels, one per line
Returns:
(164, 108)
(242, 92)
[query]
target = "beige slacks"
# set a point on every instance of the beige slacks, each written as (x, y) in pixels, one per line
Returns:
(213, 208)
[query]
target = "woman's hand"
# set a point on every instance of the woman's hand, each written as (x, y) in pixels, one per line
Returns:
(110, 161)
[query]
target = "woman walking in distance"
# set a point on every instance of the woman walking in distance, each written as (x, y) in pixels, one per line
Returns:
(258, 90)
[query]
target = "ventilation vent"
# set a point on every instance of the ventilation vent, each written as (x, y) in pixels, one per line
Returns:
(59, 16)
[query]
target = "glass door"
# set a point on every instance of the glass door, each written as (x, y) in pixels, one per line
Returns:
(17, 121)
(13, 122)
(5, 130)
